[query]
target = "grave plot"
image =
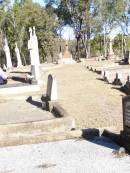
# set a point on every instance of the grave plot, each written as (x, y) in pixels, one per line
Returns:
(116, 75)
(97, 66)
(28, 121)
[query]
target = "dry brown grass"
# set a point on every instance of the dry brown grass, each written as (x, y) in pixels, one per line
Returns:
(92, 102)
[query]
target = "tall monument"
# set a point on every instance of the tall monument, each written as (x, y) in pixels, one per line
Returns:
(34, 53)
(111, 53)
(67, 56)
(19, 62)
(7, 54)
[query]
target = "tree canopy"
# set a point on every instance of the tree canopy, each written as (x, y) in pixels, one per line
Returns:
(91, 20)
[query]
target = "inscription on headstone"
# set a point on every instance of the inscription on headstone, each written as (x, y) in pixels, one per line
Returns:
(126, 114)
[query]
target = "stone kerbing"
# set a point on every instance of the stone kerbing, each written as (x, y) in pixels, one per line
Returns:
(62, 127)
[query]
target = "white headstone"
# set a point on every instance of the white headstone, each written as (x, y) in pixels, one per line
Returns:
(52, 88)
(30, 47)
(19, 62)
(34, 52)
(7, 53)
(35, 47)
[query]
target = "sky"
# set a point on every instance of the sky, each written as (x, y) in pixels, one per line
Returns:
(41, 2)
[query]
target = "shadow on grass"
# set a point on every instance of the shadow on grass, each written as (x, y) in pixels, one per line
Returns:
(33, 102)
(121, 89)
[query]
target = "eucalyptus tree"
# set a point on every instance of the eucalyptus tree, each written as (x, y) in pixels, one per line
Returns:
(27, 14)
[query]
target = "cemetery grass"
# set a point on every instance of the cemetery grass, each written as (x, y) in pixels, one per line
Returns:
(92, 102)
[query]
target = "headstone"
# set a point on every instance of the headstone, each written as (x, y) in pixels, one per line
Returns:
(126, 114)
(19, 62)
(7, 53)
(35, 47)
(30, 47)
(51, 88)
(34, 53)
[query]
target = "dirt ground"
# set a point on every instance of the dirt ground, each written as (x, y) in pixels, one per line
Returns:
(92, 102)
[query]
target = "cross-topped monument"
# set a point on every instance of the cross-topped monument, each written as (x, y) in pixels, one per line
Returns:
(67, 56)
(34, 53)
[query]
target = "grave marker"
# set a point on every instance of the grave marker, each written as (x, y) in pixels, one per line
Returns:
(7, 53)
(51, 88)
(19, 62)
(126, 114)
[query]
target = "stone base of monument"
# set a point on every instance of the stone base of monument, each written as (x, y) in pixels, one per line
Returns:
(66, 61)
(40, 126)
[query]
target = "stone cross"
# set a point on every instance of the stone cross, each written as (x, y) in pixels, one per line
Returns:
(7, 53)
(19, 62)
(51, 92)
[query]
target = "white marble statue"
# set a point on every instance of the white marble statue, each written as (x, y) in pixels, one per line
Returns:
(7, 53)
(19, 62)
(34, 52)
(30, 47)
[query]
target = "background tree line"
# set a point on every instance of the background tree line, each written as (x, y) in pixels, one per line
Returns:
(91, 20)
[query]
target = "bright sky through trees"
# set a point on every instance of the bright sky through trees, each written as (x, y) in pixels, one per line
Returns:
(41, 2)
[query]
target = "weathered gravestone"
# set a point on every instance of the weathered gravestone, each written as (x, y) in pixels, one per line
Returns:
(123, 138)
(7, 53)
(126, 115)
(19, 62)
(51, 92)
(126, 59)
(126, 87)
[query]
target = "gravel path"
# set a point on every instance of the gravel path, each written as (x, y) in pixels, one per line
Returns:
(71, 156)
(92, 102)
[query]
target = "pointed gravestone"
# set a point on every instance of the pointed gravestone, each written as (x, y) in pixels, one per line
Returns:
(51, 88)
(34, 54)
(30, 47)
(19, 62)
(7, 54)
(35, 47)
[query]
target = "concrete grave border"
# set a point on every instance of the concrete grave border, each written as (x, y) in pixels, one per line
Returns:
(60, 128)
(4, 91)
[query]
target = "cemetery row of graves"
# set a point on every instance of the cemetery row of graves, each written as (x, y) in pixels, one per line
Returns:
(117, 74)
